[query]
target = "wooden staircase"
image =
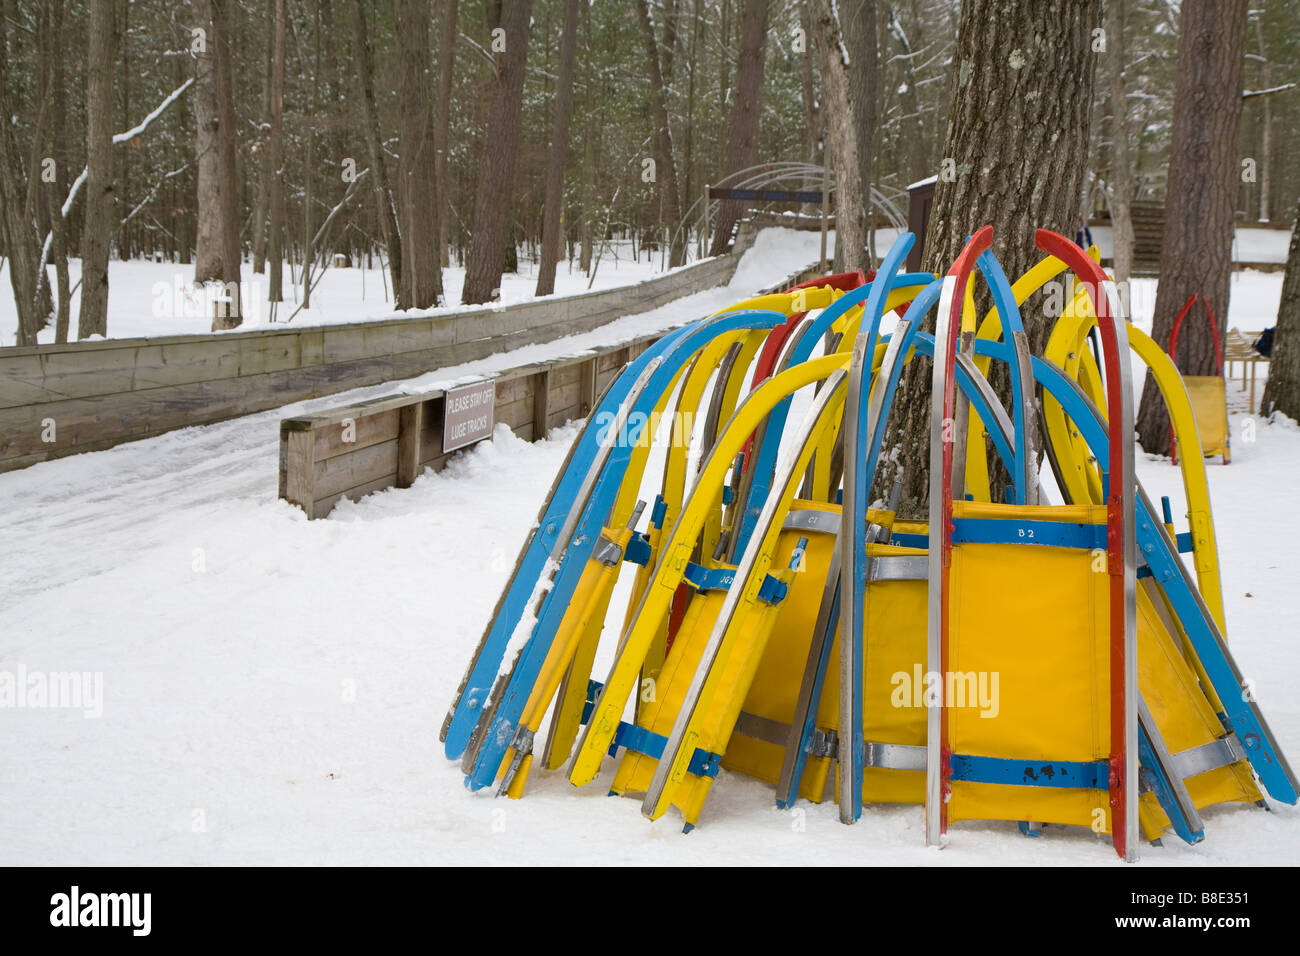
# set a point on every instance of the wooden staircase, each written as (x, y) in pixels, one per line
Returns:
(1148, 236)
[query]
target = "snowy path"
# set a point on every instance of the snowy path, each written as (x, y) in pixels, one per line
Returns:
(273, 687)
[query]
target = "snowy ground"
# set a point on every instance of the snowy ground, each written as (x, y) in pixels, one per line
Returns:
(157, 298)
(273, 687)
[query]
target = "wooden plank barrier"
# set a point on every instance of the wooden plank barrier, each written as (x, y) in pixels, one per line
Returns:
(353, 450)
(58, 400)
(387, 442)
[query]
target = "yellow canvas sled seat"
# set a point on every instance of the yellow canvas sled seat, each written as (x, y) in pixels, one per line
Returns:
(1208, 393)
(757, 747)
(896, 644)
(1028, 634)
(804, 555)
(1210, 404)
(1027, 695)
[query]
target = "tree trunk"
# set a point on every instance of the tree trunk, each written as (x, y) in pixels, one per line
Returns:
(670, 201)
(442, 122)
(1196, 255)
(208, 252)
(844, 134)
(59, 188)
(487, 247)
(1016, 141)
(263, 202)
(374, 146)
(227, 170)
(858, 21)
(98, 225)
(554, 208)
(742, 146)
(36, 212)
(587, 188)
(912, 124)
(309, 167)
(587, 232)
(20, 241)
(1266, 126)
(275, 160)
(814, 126)
(419, 210)
(122, 181)
(1121, 187)
(1282, 391)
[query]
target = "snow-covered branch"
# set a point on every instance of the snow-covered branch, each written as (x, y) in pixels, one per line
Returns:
(119, 138)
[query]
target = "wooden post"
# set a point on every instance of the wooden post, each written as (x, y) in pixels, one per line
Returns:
(587, 385)
(410, 423)
(541, 403)
(298, 466)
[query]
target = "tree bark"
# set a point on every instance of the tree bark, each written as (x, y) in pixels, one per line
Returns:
(98, 226)
(487, 247)
(1121, 187)
(384, 203)
(1266, 125)
(275, 160)
(263, 148)
(1017, 136)
(913, 152)
(442, 121)
(217, 253)
(59, 188)
(814, 125)
(858, 22)
(20, 242)
(670, 200)
(554, 208)
(845, 136)
(747, 110)
(416, 173)
(1196, 254)
(1282, 391)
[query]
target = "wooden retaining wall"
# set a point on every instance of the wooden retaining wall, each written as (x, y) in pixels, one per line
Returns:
(396, 437)
(58, 400)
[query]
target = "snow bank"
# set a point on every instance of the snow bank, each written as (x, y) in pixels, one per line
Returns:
(273, 687)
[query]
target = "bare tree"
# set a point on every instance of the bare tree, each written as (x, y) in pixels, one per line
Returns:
(1121, 186)
(808, 91)
(670, 200)
(98, 226)
(275, 160)
(742, 146)
(554, 209)
(217, 250)
(53, 24)
(844, 132)
(1196, 252)
(485, 259)
(263, 148)
(442, 120)
(16, 230)
(421, 265)
(383, 192)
